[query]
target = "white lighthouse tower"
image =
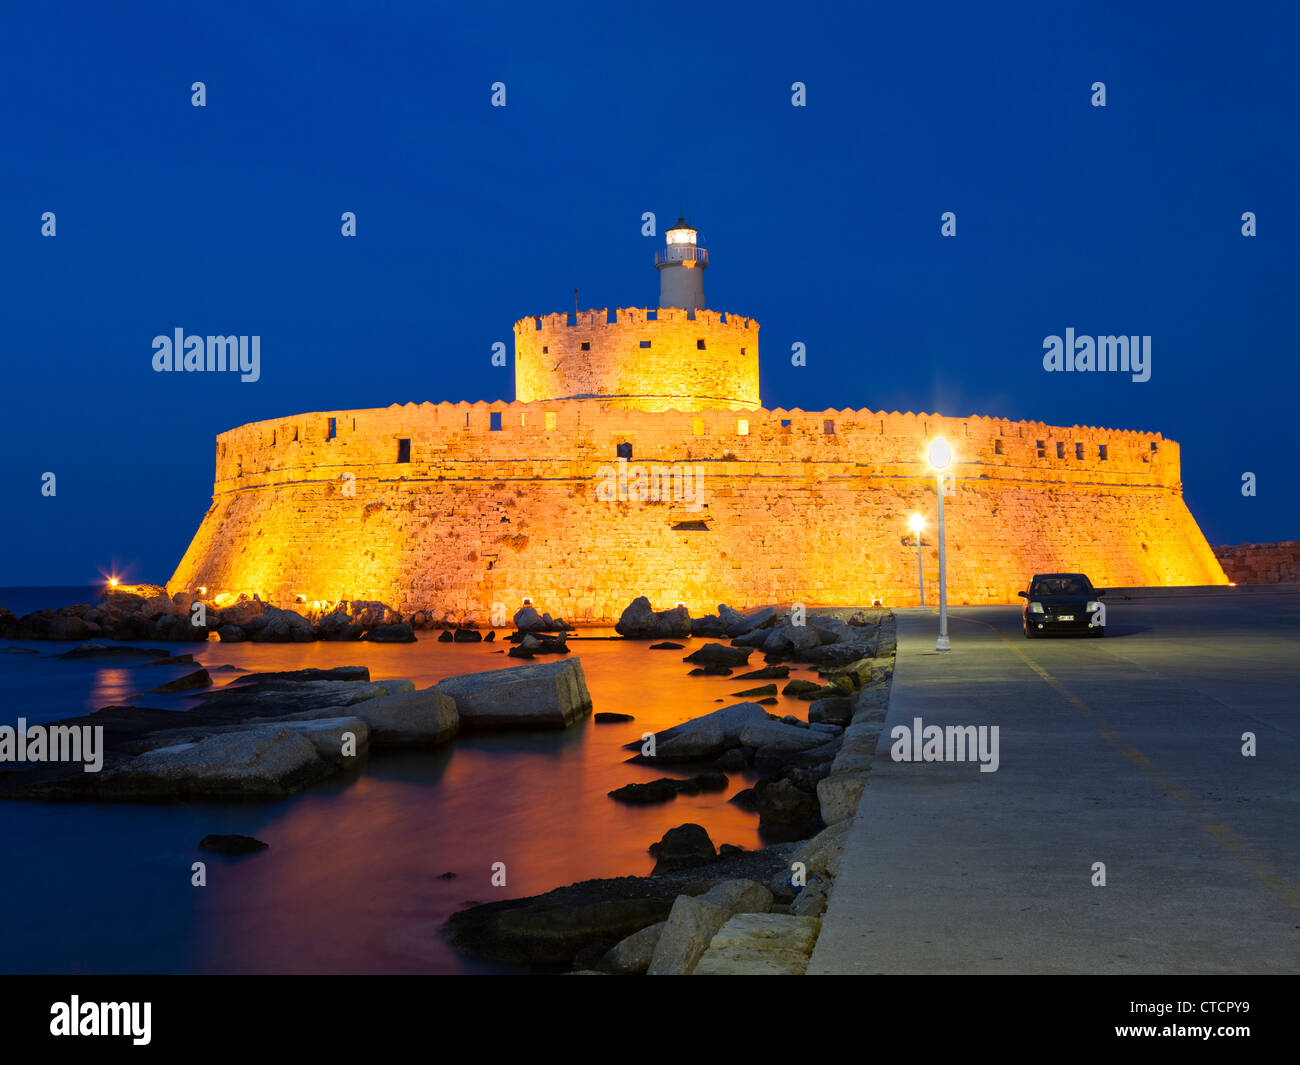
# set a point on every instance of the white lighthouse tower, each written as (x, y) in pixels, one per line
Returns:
(681, 268)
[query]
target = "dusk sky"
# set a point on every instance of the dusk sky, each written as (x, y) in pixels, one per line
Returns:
(822, 222)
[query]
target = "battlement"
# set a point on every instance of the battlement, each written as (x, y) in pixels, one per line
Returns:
(652, 359)
(410, 440)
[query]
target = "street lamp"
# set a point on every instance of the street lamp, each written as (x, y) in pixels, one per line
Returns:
(940, 460)
(916, 523)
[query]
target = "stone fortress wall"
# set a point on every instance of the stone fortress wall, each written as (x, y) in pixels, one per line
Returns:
(649, 358)
(456, 507)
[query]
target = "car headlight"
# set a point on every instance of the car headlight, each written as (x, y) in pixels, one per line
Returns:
(1035, 608)
(1092, 605)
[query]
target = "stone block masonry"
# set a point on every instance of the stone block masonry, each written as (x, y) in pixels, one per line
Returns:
(456, 507)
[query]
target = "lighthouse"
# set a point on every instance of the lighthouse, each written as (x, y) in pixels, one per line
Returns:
(681, 268)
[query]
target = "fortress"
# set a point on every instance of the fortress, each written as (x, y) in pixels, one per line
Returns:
(460, 508)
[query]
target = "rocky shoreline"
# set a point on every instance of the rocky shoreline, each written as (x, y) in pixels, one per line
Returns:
(704, 909)
(708, 910)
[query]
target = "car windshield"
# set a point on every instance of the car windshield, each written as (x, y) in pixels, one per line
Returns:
(1059, 586)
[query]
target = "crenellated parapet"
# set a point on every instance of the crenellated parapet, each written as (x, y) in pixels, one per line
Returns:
(650, 359)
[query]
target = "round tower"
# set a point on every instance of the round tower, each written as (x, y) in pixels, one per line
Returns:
(681, 267)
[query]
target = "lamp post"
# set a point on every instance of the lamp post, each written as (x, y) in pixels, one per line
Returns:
(916, 523)
(940, 460)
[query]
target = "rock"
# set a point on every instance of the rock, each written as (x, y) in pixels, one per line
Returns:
(733, 760)
(691, 925)
(703, 782)
(527, 619)
(820, 855)
(424, 718)
(545, 695)
(173, 660)
(231, 634)
(631, 956)
(726, 850)
(751, 639)
(401, 632)
(738, 624)
(693, 922)
(232, 844)
(307, 676)
(825, 728)
(681, 847)
(804, 638)
(327, 734)
(526, 647)
(839, 794)
(198, 679)
(811, 901)
(740, 896)
(468, 636)
(653, 791)
(760, 944)
(104, 650)
(770, 700)
(337, 626)
(800, 687)
(446, 637)
(709, 671)
(605, 717)
(249, 696)
(785, 812)
(767, 673)
(746, 799)
(776, 736)
(719, 654)
(253, 762)
(667, 647)
(552, 929)
(835, 711)
(640, 621)
(705, 737)
(490, 636)
(764, 689)
(709, 625)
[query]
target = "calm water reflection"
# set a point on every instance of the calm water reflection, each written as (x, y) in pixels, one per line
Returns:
(352, 882)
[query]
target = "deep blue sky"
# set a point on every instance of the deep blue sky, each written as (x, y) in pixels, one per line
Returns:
(822, 222)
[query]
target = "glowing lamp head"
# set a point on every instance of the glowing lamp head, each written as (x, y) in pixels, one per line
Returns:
(940, 453)
(916, 523)
(112, 582)
(681, 233)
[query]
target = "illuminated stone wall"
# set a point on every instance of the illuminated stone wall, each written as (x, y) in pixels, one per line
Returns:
(814, 512)
(1261, 563)
(646, 359)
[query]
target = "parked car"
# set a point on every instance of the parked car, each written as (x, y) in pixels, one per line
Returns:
(1062, 602)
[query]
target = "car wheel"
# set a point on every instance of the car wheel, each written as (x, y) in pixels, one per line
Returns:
(1029, 634)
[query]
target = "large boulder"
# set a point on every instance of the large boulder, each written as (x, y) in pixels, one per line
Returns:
(274, 697)
(778, 737)
(694, 921)
(640, 621)
(785, 812)
(682, 847)
(820, 856)
(719, 654)
(398, 632)
(424, 718)
(760, 944)
(549, 695)
(631, 956)
(251, 762)
(705, 737)
(738, 624)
